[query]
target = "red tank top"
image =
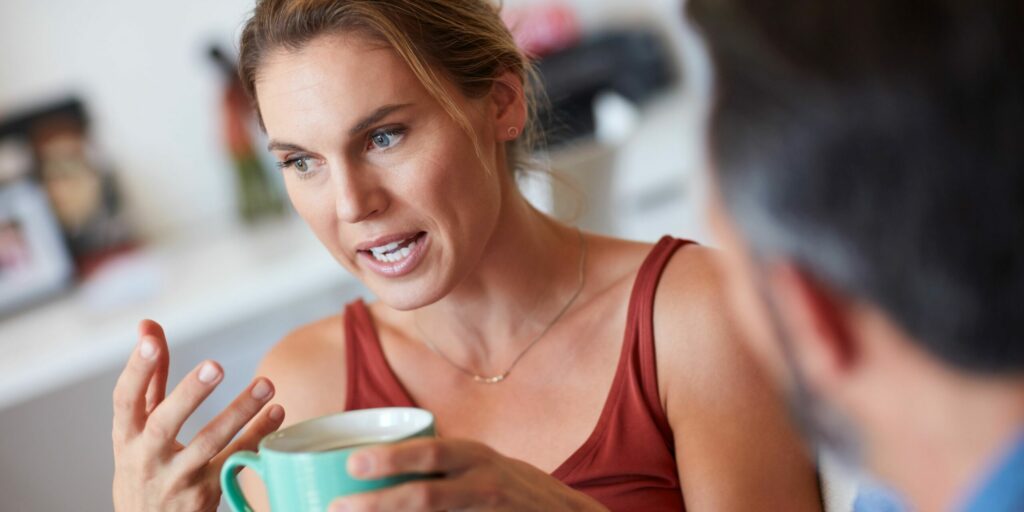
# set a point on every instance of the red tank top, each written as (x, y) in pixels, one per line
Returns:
(628, 462)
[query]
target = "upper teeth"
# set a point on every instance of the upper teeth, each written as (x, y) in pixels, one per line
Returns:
(391, 253)
(385, 248)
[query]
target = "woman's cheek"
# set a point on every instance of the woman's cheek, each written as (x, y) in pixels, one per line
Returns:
(301, 201)
(315, 206)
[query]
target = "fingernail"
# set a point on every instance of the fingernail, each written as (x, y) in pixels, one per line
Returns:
(208, 373)
(360, 464)
(147, 349)
(261, 390)
(276, 412)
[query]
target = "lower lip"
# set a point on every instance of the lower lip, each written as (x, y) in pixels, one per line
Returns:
(398, 268)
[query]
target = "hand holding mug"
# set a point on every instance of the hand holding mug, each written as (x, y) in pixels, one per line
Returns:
(304, 467)
(152, 470)
(472, 476)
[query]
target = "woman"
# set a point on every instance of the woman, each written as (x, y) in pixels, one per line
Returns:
(396, 125)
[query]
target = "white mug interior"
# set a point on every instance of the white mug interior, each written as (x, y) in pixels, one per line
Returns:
(349, 429)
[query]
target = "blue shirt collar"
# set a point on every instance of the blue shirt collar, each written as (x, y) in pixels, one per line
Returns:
(1003, 489)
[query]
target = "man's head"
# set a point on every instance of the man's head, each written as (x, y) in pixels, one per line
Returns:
(868, 158)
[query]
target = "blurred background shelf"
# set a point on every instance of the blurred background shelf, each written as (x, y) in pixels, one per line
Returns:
(193, 287)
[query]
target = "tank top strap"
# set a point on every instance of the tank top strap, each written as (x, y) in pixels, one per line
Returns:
(629, 461)
(640, 323)
(370, 381)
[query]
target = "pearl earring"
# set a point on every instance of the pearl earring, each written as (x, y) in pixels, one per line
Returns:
(513, 132)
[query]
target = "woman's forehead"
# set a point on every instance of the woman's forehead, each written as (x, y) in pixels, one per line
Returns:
(340, 75)
(348, 63)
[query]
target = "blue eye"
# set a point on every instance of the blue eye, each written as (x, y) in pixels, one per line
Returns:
(300, 164)
(385, 139)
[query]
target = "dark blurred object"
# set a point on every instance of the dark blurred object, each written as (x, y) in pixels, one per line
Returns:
(82, 192)
(543, 30)
(258, 197)
(634, 64)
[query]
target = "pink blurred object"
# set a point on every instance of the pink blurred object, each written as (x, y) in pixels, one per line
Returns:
(543, 29)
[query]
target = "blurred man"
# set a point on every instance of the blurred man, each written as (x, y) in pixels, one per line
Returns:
(869, 165)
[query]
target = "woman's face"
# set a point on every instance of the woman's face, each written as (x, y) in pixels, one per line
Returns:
(388, 181)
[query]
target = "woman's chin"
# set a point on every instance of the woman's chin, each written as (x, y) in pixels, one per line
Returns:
(405, 297)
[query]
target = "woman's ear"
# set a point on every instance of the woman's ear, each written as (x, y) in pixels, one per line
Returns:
(509, 108)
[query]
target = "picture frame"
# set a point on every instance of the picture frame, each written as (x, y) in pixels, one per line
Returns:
(58, 154)
(34, 260)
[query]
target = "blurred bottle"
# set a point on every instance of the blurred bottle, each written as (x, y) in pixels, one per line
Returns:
(258, 196)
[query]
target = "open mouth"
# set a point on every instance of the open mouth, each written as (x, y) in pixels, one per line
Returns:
(397, 257)
(395, 252)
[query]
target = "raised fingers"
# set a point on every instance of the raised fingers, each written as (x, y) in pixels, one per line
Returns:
(165, 422)
(218, 433)
(130, 391)
(158, 383)
(267, 422)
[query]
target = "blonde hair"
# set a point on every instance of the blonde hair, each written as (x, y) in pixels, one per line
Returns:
(462, 41)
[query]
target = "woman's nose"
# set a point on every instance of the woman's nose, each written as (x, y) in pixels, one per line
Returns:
(358, 199)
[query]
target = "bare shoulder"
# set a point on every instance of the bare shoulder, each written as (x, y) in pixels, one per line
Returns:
(703, 364)
(730, 425)
(692, 332)
(696, 344)
(691, 326)
(307, 368)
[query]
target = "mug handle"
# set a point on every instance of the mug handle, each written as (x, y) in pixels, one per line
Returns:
(229, 478)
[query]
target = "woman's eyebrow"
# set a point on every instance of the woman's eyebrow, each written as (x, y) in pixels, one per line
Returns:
(357, 128)
(377, 115)
(284, 146)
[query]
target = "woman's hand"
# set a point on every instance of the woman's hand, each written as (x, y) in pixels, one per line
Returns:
(152, 470)
(473, 477)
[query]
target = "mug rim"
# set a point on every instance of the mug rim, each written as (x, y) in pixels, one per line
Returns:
(425, 423)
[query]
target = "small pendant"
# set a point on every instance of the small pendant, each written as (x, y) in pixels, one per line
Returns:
(490, 380)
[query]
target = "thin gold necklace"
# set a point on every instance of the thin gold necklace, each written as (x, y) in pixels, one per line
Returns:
(502, 376)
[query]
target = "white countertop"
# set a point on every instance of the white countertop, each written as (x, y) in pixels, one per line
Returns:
(192, 287)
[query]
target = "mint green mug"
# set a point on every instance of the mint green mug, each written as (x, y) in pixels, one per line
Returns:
(304, 466)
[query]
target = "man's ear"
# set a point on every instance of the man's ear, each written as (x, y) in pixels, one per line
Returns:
(818, 321)
(508, 101)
